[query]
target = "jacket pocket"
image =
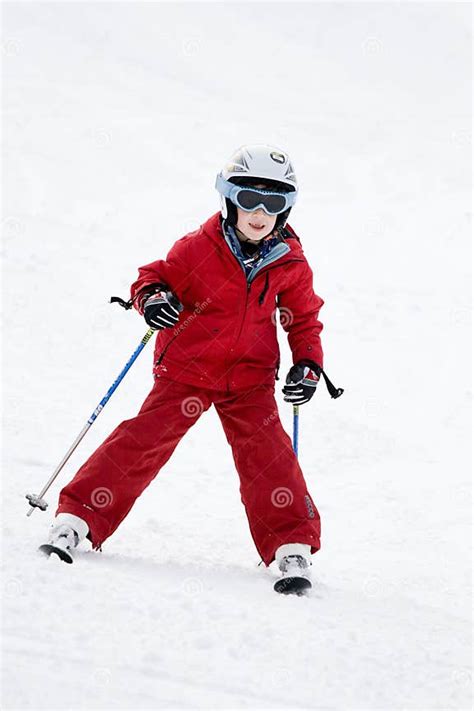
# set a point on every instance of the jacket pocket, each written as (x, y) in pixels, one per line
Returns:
(159, 360)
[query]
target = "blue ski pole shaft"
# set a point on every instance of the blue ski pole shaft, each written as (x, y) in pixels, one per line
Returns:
(296, 421)
(37, 501)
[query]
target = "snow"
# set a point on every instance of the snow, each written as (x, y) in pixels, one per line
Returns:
(116, 118)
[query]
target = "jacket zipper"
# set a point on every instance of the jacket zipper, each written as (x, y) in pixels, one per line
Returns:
(264, 291)
(247, 292)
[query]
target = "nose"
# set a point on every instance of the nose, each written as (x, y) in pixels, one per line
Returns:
(259, 212)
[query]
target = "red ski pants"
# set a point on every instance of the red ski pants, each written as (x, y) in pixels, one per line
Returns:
(273, 490)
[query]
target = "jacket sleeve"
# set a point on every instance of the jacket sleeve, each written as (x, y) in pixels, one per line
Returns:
(170, 273)
(299, 310)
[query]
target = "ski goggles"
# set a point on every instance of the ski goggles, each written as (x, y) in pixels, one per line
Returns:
(250, 199)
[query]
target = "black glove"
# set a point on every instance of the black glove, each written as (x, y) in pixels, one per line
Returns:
(161, 310)
(301, 382)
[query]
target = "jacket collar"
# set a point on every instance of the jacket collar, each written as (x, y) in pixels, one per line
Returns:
(213, 229)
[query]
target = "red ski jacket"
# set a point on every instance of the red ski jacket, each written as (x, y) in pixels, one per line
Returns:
(226, 338)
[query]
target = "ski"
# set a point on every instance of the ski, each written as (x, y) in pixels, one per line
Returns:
(47, 549)
(292, 586)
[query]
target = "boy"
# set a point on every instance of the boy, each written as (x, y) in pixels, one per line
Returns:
(213, 302)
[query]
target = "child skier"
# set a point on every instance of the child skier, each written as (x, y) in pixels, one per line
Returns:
(213, 301)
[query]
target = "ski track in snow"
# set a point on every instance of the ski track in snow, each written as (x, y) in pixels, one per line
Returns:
(115, 124)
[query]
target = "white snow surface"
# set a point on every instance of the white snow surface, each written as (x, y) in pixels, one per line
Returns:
(117, 117)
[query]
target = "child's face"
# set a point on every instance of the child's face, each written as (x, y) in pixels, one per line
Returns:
(255, 225)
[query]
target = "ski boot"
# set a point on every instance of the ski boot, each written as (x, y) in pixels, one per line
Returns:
(65, 535)
(294, 562)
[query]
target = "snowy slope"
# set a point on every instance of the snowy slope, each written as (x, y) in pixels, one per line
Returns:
(116, 118)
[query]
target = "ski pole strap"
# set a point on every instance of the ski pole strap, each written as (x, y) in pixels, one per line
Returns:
(118, 300)
(150, 288)
(333, 391)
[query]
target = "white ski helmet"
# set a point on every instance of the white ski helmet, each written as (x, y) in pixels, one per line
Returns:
(258, 162)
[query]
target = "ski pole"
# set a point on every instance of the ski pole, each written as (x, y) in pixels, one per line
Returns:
(296, 421)
(37, 501)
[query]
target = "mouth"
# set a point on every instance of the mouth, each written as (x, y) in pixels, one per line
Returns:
(257, 226)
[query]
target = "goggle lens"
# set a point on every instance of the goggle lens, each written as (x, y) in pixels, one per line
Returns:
(250, 199)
